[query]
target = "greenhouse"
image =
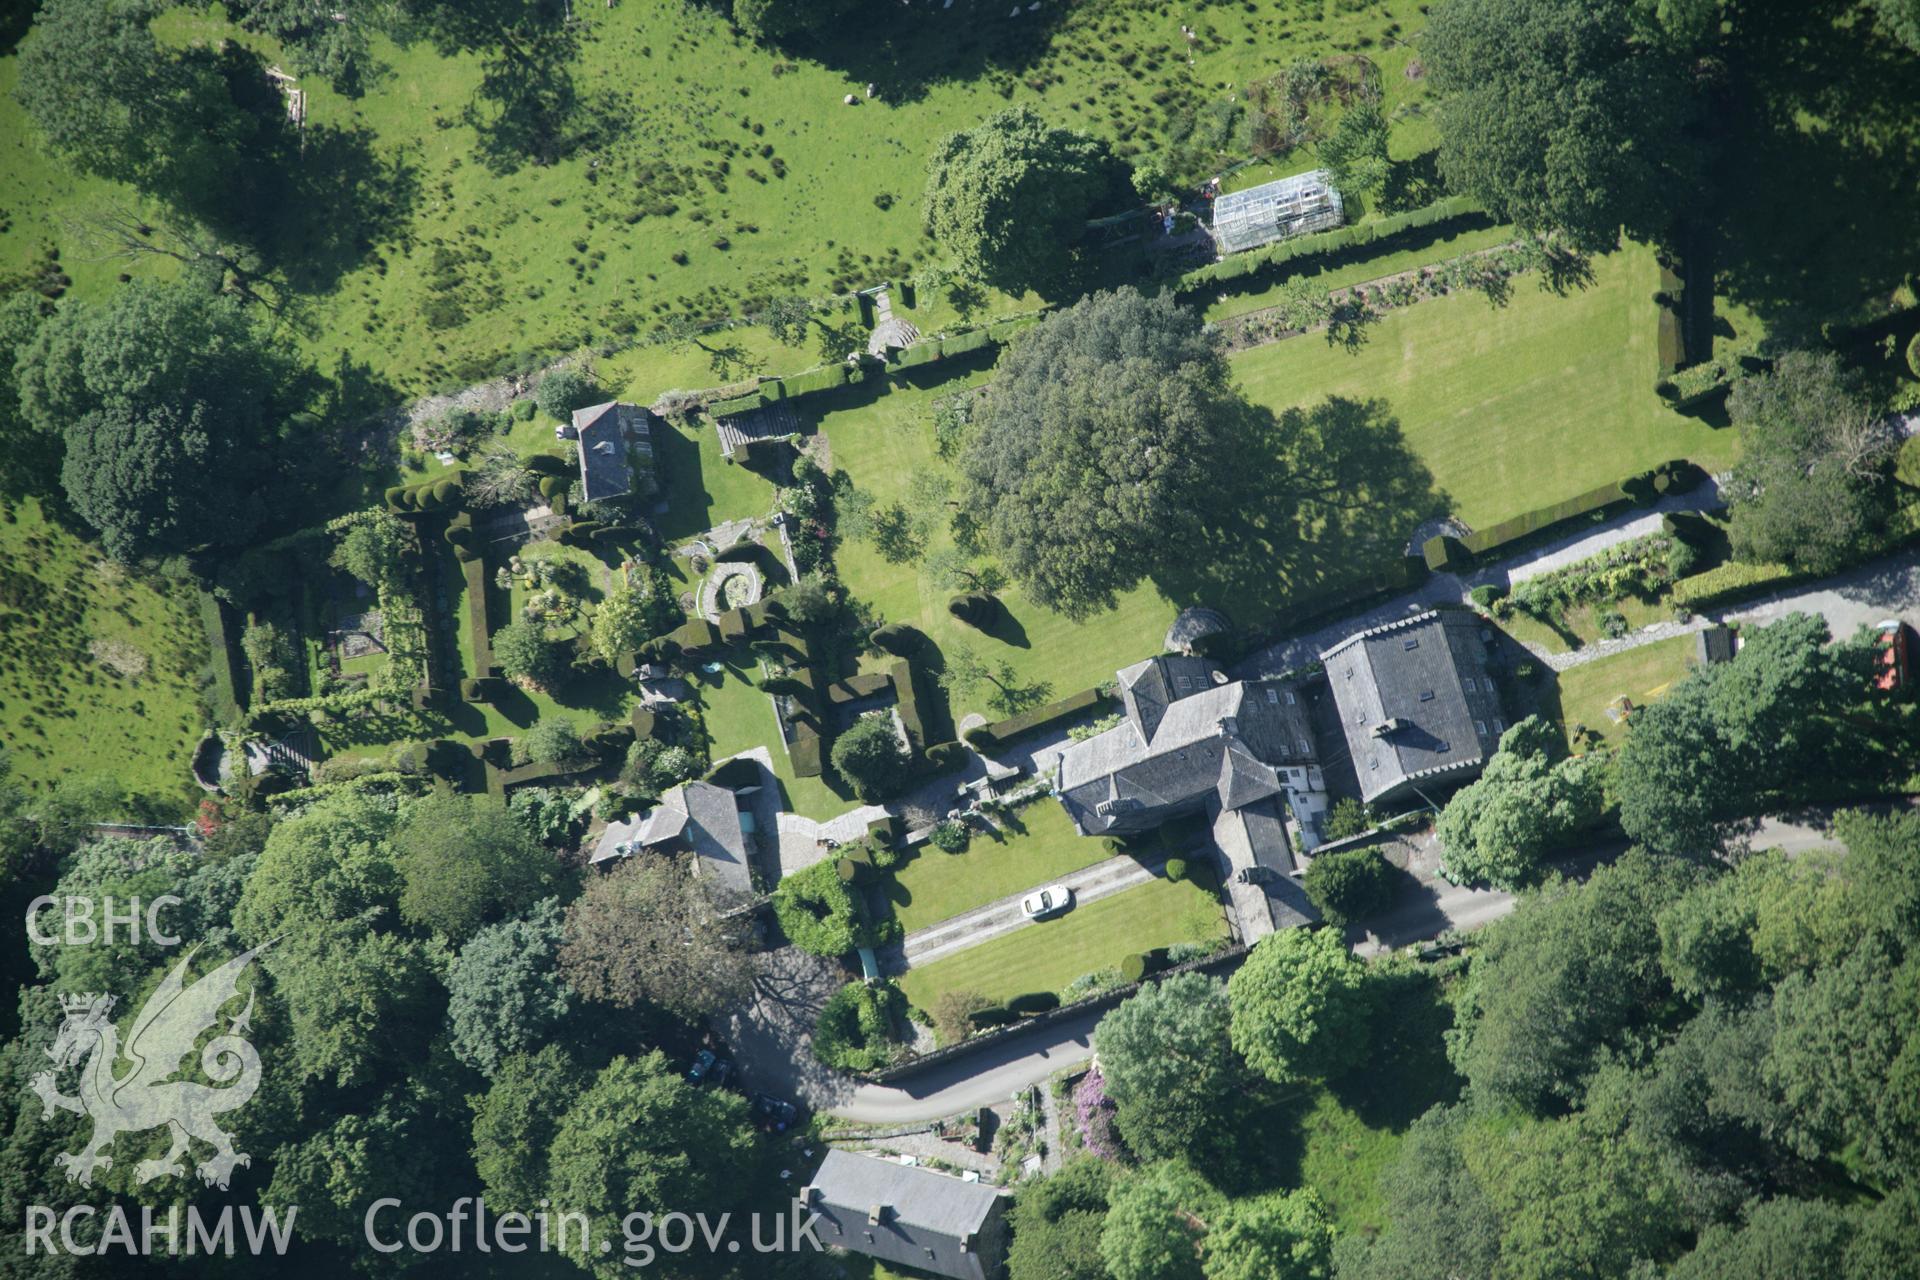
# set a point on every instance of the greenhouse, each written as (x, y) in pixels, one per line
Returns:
(1274, 211)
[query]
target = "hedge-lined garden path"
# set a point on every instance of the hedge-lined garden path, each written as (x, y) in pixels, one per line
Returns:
(983, 924)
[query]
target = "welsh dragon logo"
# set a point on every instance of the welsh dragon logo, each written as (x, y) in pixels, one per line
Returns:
(143, 1097)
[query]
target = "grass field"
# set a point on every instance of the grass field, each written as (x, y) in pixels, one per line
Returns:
(491, 257)
(1641, 674)
(98, 665)
(1048, 954)
(1040, 845)
(1515, 407)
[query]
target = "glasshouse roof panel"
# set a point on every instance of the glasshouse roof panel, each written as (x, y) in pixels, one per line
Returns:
(1275, 210)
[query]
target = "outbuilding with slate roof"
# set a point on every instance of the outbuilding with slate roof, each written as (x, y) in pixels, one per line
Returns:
(696, 817)
(908, 1216)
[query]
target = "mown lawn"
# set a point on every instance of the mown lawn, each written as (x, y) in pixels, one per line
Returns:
(1514, 407)
(99, 666)
(1641, 674)
(1038, 845)
(1046, 955)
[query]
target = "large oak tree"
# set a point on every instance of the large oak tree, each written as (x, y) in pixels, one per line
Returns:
(1096, 447)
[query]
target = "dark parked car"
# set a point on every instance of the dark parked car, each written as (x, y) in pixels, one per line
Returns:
(721, 1073)
(702, 1063)
(772, 1114)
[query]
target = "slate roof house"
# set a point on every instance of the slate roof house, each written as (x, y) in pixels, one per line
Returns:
(697, 818)
(909, 1216)
(1190, 737)
(606, 432)
(1416, 702)
(1192, 741)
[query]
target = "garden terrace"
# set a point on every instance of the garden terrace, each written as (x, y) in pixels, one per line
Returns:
(1046, 955)
(739, 716)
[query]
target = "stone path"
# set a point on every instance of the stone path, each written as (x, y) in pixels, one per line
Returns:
(983, 924)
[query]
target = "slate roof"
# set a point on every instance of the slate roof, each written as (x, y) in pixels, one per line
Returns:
(1715, 644)
(930, 1221)
(603, 431)
(1185, 739)
(697, 816)
(1149, 688)
(1254, 838)
(1415, 701)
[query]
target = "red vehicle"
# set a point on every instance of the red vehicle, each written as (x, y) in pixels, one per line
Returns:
(1893, 664)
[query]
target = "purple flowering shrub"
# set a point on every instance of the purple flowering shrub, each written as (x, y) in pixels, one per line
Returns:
(1094, 1111)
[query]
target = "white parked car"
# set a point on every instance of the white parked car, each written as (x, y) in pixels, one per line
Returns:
(1051, 900)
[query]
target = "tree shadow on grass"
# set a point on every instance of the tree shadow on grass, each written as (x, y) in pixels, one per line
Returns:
(1405, 1070)
(1310, 501)
(904, 52)
(1819, 152)
(338, 198)
(690, 504)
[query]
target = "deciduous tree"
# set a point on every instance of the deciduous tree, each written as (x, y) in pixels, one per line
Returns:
(1057, 1223)
(1810, 489)
(869, 756)
(1350, 884)
(171, 406)
(641, 1139)
(515, 1120)
(1096, 447)
(1563, 981)
(189, 123)
(649, 932)
(524, 652)
(1556, 116)
(1168, 1059)
(1279, 1236)
(465, 860)
(1010, 197)
(1157, 1225)
(1355, 154)
(1300, 1005)
(1528, 802)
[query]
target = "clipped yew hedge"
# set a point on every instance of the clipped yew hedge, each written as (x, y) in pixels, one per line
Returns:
(1304, 250)
(1070, 707)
